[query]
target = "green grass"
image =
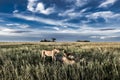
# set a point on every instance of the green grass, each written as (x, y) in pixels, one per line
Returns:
(95, 61)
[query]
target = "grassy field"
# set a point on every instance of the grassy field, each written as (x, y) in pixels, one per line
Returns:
(95, 61)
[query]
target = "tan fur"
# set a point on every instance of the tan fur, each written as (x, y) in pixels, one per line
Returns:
(68, 58)
(67, 61)
(50, 53)
(68, 55)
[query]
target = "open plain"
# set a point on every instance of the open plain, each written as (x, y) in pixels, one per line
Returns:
(94, 61)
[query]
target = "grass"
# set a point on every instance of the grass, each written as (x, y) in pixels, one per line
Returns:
(95, 61)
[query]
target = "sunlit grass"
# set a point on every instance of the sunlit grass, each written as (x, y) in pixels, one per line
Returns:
(95, 61)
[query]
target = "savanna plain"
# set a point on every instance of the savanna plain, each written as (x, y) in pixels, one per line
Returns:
(94, 61)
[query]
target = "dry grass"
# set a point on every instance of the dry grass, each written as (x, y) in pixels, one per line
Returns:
(95, 61)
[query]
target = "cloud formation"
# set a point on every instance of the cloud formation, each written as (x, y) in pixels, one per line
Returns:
(15, 11)
(71, 19)
(41, 9)
(80, 2)
(107, 15)
(104, 37)
(35, 6)
(106, 3)
(45, 20)
(31, 5)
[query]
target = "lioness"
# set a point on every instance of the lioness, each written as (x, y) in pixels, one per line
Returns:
(50, 53)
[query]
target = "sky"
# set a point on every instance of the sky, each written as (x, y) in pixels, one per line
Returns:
(65, 20)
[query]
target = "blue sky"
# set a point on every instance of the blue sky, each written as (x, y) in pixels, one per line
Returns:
(65, 20)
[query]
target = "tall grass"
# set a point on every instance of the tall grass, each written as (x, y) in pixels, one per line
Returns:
(95, 61)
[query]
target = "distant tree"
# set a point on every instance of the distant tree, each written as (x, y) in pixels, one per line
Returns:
(86, 41)
(53, 39)
(82, 41)
(41, 40)
(46, 40)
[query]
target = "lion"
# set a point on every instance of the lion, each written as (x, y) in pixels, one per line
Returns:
(51, 53)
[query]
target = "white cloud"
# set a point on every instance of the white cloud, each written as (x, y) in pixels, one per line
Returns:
(15, 11)
(77, 3)
(103, 37)
(83, 10)
(46, 21)
(99, 32)
(23, 26)
(85, 30)
(63, 27)
(38, 19)
(5, 31)
(72, 14)
(81, 2)
(56, 28)
(13, 31)
(34, 6)
(31, 5)
(41, 9)
(104, 32)
(104, 14)
(66, 12)
(107, 15)
(13, 24)
(106, 3)
(17, 25)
